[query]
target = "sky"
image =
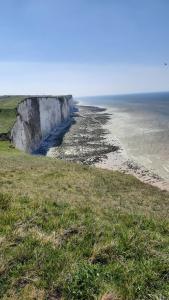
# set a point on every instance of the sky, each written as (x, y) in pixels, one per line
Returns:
(84, 47)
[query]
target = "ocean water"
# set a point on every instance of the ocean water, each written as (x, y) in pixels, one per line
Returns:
(141, 123)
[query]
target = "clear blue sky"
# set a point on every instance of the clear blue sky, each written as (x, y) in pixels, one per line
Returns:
(84, 47)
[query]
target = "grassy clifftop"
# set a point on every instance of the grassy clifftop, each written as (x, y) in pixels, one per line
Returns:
(69, 231)
(8, 106)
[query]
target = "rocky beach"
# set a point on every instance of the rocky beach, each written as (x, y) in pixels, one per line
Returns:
(90, 141)
(86, 140)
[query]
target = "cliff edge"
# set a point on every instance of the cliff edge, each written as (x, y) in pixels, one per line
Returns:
(37, 117)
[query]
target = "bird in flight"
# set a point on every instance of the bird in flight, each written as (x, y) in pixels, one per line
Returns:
(165, 64)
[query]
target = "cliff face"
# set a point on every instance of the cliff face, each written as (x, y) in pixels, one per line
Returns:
(37, 117)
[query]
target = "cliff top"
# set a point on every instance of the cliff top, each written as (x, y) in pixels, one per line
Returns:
(74, 232)
(68, 231)
(8, 106)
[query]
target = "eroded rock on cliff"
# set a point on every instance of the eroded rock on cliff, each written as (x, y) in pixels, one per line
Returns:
(37, 117)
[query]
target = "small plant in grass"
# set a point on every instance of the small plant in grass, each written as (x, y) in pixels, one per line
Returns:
(83, 283)
(5, 201)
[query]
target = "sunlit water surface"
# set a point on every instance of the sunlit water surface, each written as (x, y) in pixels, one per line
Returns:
(141, 123)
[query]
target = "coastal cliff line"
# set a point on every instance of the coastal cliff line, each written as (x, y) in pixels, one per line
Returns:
(37, 117)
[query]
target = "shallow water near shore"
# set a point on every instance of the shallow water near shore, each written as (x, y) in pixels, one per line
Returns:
(141, 124)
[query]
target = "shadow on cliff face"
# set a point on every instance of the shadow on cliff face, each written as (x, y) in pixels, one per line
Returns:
(55, 139)
(84, 140)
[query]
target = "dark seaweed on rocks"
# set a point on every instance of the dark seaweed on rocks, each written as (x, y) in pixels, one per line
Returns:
(86, 141)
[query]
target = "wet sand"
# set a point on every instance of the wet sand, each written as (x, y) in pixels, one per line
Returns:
(89, 141)
(120, 161)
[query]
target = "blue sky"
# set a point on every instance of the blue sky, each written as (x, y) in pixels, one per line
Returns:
(83, 47)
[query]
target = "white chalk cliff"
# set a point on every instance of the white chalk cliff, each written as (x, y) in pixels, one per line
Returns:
(37, 117)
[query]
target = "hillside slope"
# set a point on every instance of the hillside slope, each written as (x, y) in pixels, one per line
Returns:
(69, 231)
(8, 105)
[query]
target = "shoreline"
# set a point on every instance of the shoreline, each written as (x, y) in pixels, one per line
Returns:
(121, 162)
(85, 141)
(89, 141)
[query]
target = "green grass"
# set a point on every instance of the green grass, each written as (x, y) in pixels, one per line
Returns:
(69, 231)
(8, 112)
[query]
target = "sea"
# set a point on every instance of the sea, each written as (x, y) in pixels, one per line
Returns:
(141, 123)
